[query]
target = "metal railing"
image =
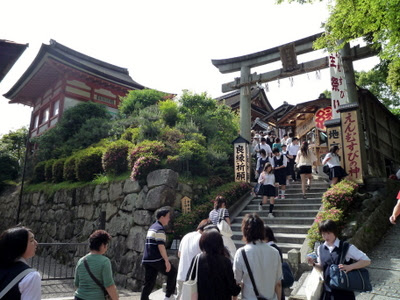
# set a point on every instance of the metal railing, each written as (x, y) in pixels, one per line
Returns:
(57, 261)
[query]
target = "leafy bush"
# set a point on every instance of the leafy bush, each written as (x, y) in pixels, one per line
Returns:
(70, 168)
(146, 148)
(131, 135)
(194, 155)
(173, 163)
(88, 164)
(58, 170)
(169, 110)
(9, 167)
(340, 195)
(38, 172)
(138, 99)
(232, 192)
(171, 137)
(115, 157)
(143, 166)
(48, 170)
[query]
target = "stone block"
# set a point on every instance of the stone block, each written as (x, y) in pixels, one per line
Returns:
(158, 197)
(141, 199)
(136, 239)
(35, 199)
(115, 190)
(162, 177)
(120, 279)
(131, 186)
(129, 202)
(120, 224)
(117, 250)
(127, 263)
(143, 217)
(111, 211)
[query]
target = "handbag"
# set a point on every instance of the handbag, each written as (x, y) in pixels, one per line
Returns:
(314, 285)
(251, 276)
(223, 226)
(326, 169)
(257, 188)
(106, 295)
(13, 282)
(288, 278)
(355, 280)
(189, 287)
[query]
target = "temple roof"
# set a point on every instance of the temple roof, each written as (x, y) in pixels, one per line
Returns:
(9, 54)
(53, 60)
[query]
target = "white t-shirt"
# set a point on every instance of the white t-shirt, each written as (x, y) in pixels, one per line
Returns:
(30, 285)
(266, 179)
(188, 248)
(292, 149)
(353, 252)
(333, 162)
(266, 266)
(266, 147)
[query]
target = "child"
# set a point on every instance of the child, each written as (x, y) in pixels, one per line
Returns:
(267, 178)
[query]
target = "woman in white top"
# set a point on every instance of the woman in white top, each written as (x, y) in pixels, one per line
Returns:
(17, 245)
(332, 159)
(305, 160)
(267, 190)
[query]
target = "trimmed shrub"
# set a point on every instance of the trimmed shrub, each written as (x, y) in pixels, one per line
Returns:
(131, 135)
(58, 170)
(143, 166)
(38, 173)
(146, 148)
(69, 172)
(115, 157)
(48, 170)
(9, 167)
(171, 137)
(169, 111)
(88, 164)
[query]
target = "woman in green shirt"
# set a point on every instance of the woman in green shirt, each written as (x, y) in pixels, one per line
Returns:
(99, 266)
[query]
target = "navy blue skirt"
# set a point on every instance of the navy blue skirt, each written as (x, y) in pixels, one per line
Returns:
(338, 172)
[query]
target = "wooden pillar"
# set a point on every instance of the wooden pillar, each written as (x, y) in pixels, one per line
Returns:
(245, 104)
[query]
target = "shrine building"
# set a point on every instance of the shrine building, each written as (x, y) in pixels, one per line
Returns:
(60, 78)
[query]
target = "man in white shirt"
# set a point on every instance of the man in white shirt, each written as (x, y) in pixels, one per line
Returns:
(292, 150)
(264, 146)
(188, 249)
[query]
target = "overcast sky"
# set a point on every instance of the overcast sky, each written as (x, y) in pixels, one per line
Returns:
(166, 45)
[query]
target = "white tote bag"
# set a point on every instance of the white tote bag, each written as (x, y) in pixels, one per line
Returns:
(223, 226)
(314, 285)
(189, 287)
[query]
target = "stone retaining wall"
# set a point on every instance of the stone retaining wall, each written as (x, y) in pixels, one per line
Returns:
(128, 208)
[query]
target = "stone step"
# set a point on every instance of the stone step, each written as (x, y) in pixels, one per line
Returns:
(278, 205)
(282, 213)
(285, 247)
(298, 195)
(291, 200)
(296, 238)
(278, 228)
(280, 220)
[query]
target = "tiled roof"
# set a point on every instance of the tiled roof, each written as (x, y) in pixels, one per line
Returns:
(9, 54)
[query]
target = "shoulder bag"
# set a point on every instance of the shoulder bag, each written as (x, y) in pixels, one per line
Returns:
(314, 285)
(189, 287)
(106, 295)
(251, 276)
(288, 278)
(15, 281)
(356, 280)
(223, 226)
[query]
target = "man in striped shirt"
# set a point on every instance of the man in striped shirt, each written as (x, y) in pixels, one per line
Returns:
(155, 258)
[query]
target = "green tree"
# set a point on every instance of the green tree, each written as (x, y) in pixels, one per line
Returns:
(14, 143)
(377, 21)
(138, 99)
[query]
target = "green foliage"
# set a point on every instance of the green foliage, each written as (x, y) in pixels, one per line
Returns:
(146, 148)
(48, 170)
(14, 143)
(194, 156)
(143, 166)
(139, 99)
(171, 137)
(88, 164)
(169, 111)
(115, 157)
(131, 135)
(9, 167)
(38, 172)
(58, 170)
(69, 172)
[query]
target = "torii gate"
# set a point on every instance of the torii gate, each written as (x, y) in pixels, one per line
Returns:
(287, 53)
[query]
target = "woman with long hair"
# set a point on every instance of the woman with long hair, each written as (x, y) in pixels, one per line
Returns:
(267, 190)
(96, 265)
(332, 159)
(219, 208)
(305, 159)
(17, 245)
(215, 280)
(264, 261)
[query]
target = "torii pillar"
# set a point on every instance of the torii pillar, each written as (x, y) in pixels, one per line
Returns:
(245, 104)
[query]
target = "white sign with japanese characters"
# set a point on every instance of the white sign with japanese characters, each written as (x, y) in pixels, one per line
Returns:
(338, 83)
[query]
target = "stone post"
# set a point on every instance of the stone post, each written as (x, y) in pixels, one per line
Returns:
(245, 104)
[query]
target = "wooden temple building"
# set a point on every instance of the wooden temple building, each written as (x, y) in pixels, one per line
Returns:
(60, 77)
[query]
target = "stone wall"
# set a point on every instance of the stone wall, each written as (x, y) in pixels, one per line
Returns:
(126, 207)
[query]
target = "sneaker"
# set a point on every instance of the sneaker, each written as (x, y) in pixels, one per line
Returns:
(260, 207)
(270, 215)
(304, 197)
(277, 197)
(172, 297)
(287, 182)
(308, 187)
(283, 197)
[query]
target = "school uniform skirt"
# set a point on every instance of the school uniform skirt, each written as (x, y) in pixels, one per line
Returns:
(305, 170)
(280, 176)
(267, 190)
(338, 172)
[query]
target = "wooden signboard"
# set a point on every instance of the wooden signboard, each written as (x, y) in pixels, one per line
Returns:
(335, 139)
(186, 203)
(242, 159)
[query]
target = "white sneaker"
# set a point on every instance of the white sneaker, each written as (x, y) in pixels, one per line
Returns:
(260, 207)
(270, 215)
(172, 297)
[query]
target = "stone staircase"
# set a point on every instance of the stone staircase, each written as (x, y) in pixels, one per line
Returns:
(293, 216)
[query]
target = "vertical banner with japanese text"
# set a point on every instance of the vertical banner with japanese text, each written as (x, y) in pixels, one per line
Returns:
(334, 135)
(351, 145)
(242, 162)
(338, 83)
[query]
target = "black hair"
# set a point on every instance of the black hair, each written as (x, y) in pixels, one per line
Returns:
(284, 145)
(203, 223)
(295, 139)
(263, 139)
(304, 149)
(285, 135)
(262, 151)
(333, 149)
(328, 226)
(269, 234)
(275, 150)
(266, 167)
(211, 243)
(13, 244)
(253, 228)
(98, 238)
(277, 140)
(219, 200)
(162, 212)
